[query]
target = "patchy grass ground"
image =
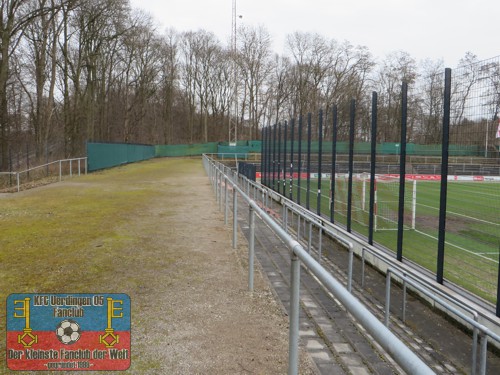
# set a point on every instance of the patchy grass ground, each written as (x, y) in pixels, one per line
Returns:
(153, 231)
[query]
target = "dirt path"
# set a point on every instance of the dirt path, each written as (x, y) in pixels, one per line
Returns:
(191, 311)
(210, 323)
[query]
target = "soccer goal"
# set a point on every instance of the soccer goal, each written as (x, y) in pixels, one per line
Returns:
(387, 202)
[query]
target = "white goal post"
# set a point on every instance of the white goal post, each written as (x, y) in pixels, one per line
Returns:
(386, 205)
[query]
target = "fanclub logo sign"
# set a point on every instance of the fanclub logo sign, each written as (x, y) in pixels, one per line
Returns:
(68, 332)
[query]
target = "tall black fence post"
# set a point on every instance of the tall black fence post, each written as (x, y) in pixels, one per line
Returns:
(274, 156)
(498, 289)
(285, 138)
(279, 158)
(268, 156)
(351, 163)
(320, 151)
(292, 132)
(299, 193)
(263, 157)
(309, 135)
(402, 169)
(373, 162)
(334, 163)
(444, 177)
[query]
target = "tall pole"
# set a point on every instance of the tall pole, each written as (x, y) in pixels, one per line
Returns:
(233, 109)
(444, 176)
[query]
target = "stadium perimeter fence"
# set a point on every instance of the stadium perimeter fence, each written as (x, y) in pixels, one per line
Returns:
(106, 155)
(103, 155)
(424, 184)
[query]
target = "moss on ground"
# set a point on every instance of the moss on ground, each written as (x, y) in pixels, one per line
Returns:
(74, 236)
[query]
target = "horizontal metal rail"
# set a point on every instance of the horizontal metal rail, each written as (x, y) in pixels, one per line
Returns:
(60, 162)
(448, 302)
(348, 240)
(484, 332)
(408, 360)
(433, 293)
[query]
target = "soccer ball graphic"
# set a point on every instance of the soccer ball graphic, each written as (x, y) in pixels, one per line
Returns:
(68, 332)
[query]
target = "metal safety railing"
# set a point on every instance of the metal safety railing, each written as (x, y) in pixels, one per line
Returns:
(480, 331)
(449, 303)
(59, 165)
(463, 311)
(222, 179)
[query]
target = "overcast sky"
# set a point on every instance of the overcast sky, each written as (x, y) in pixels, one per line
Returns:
(435, 29)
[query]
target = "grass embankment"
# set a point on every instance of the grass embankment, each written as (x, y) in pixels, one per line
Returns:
(76, 237)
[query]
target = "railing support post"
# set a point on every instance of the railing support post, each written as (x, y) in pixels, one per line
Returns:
(309, 238)
(320, 246)
(293, 339)
(226, 198)
(221, 181)
(387, 298)
(215, 186)
(351, 260)
(484, 353)
(251, 249)
(235, 218)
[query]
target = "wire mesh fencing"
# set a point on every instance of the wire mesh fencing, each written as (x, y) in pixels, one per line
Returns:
(417, 173)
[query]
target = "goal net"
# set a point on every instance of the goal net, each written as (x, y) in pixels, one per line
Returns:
(386, 208)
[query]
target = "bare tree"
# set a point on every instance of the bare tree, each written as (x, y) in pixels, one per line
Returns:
(429, 128)
(312, 59)
(89, 32)
(398, 67)
(190, 72)
(254, 64)
(170, 83)
(40, 53)
(15, 16)
(206, 58)
(279, 91)
(142, 67)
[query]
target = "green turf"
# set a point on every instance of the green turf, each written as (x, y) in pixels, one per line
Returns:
(472, 225)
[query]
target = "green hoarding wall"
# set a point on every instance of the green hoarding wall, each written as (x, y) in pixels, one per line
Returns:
(387, 148)
(107, 155)
(240, 150)
(186, 150)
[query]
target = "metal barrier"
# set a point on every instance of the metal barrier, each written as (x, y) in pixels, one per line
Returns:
(478, 329)
(223, 178)
(59, 164)
(448, 302)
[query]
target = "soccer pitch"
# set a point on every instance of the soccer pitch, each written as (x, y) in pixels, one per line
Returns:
(472, 239)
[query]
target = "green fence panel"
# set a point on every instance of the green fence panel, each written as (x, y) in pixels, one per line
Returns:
(248, 146)
(108, 155)
(389, 148)
(362, 148)
(427, 150)
(231, 152)
(255, 146)
(465, 150)
(186, 150)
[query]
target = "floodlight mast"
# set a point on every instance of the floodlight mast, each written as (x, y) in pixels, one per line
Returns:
(233, 108)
